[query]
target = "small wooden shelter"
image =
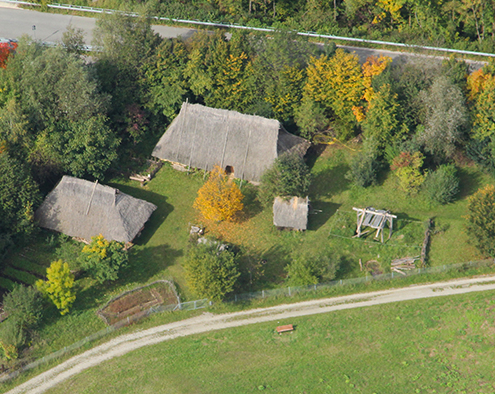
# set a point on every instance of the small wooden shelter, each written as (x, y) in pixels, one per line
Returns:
(291, 214)
(374, 218)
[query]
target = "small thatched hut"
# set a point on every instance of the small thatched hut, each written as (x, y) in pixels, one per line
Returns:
(291, 213)
(243, 145)
(84, 209)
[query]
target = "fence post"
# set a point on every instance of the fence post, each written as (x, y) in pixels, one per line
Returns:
(392, 274)
(194, 304)
(289, 291)
(315, 287)
(127, 319)
(235, 297)
(262, 293)
(341, 281)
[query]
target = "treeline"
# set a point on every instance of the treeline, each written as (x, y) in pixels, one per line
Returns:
(463, 24)
(62, 113)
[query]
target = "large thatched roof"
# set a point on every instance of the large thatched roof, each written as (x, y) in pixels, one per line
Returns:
(85, 209)
(291, 213)
(203, 137)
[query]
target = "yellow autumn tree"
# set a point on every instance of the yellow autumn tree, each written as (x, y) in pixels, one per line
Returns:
(58, 286)
(220, 198)
(373, 67)
(336, 82)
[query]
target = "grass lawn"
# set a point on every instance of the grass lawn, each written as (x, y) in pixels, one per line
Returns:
(442, 345)
(159, 250)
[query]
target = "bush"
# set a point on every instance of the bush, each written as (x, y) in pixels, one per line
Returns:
(481, 219)
(364, 166)
(210, 272)
(288, 176)
(442, 185)
(11, 339)
(407, 167)
(24, 305)
(103, 259)
(306, 270)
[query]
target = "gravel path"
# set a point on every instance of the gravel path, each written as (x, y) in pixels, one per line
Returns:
(210, 322)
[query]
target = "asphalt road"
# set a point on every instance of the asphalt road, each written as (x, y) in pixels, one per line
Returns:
(15, 22)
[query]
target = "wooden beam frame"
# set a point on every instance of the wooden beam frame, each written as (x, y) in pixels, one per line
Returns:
(386, 217)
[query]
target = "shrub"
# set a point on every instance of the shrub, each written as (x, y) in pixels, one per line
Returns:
(219, 198)
(481, 219)
(210, 272)
(58, 286)
(364, 166)
(288, 176)
(103, 259)
(407, 167)
(442, 185)
(306, 270)
(24, 305)
(11, 339)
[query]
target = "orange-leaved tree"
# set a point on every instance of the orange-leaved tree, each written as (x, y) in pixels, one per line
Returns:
(219, 198)
(6, 48)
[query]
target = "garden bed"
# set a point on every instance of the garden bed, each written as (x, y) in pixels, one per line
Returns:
(137, 300)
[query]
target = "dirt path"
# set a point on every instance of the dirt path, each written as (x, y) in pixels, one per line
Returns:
(210, 322)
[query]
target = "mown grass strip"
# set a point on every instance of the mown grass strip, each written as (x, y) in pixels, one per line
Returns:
(28, 266)
(6, 284)
(21, 276)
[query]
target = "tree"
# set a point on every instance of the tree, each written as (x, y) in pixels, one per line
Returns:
(445, 116)
(103, 259)
(73, 40)
(382, 121)
(58, 286)
(365, 165)
(288, 176)
(210, 273)
(24, 304)
(6, 50)
(481, 219)
(219, 198)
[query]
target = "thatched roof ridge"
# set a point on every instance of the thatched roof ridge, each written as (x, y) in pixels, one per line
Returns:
(84, 209)
(291, 213)
(203, 137)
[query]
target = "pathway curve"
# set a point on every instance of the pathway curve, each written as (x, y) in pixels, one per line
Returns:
(210, 322)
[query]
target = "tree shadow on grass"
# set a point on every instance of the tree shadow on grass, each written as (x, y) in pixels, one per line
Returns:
(329, 182)
(157, 217)
(316, 218)
(252, 206)
(469, 181)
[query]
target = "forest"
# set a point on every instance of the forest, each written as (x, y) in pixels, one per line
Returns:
(64, 113)
(460, 24)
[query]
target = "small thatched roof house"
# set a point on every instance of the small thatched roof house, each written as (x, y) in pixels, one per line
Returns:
(85, 209)
(243, 145)
(291, 213)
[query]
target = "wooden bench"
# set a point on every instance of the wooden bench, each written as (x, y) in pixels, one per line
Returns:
(288, 327)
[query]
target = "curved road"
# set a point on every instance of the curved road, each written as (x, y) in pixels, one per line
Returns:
(210, 322)
(15, 22)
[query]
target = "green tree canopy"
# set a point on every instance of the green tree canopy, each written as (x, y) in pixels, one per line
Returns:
(211, 273)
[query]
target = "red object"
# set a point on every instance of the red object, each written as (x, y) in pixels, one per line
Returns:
(7, 47)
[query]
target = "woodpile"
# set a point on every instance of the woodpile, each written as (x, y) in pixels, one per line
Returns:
(404, 264)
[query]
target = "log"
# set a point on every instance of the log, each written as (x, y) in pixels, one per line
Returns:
(399, 271)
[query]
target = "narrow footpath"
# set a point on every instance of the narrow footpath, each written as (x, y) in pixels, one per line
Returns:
(210, 322)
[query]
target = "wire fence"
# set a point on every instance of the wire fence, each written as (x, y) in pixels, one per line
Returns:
(183, 306)
(263, 294)
(293, 290)
(263, 29)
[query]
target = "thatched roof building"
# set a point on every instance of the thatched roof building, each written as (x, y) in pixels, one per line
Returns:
(84, 209)
(245, 145)
(291, 213)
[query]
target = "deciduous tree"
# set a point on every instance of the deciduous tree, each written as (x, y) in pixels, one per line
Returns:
(58, 286)
(480, 220)
(219, 198)
(210, 273)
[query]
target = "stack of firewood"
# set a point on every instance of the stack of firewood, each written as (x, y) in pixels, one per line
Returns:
(404, 264)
